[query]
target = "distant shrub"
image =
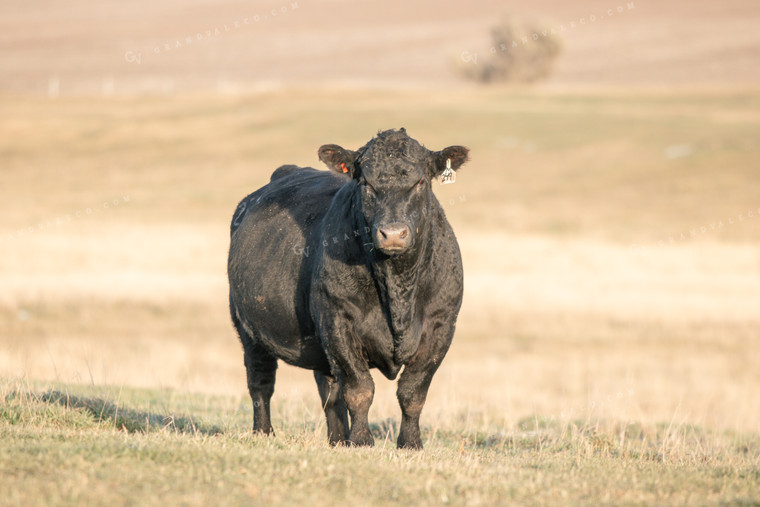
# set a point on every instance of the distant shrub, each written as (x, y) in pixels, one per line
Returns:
(521, 52)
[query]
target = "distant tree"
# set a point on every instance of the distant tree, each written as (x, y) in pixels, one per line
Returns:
(521, 52)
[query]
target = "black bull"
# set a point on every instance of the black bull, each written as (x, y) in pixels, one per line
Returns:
(340, 273)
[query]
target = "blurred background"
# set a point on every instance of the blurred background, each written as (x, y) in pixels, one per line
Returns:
(609, 218)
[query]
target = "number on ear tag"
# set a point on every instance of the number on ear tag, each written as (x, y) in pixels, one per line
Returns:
(448, 175)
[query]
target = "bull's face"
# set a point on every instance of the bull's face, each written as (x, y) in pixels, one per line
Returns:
(393, 173)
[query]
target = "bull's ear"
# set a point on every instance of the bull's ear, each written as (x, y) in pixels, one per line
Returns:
(338, 159)
(453, 157)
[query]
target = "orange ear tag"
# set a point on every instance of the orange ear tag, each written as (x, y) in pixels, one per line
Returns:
(343, 166)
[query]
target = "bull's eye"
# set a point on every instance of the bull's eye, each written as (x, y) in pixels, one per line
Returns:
(369, 192)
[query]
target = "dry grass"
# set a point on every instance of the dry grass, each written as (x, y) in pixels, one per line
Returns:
(95, 445)
(590, 363)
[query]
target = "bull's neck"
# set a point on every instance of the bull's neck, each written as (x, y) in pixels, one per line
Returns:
(397, 280)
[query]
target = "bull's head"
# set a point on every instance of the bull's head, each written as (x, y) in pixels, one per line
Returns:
(394, 174)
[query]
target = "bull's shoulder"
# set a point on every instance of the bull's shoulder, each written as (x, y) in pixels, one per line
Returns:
(291, 185)
(299, 191)
(302, 177)
(286, 170)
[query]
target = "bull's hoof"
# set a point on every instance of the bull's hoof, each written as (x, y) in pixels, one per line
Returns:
(363, 439)
(264, 431)
(336, 441)
(412, 446)
(409, 443)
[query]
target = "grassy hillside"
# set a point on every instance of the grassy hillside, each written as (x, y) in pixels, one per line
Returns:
(623, 166)
(83, 445)
(595, 359)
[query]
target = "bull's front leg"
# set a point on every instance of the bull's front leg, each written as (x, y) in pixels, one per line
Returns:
(334, 407)
(414, 382)
(356, 384)
(358, 392)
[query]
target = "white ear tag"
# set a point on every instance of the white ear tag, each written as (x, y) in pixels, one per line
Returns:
(448, 175)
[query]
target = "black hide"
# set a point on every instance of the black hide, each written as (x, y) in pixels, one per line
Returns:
(344, 271)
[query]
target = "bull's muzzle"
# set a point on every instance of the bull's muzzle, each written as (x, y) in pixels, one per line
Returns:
(393, 238)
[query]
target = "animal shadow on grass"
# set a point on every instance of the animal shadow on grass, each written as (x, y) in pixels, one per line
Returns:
(127, 419)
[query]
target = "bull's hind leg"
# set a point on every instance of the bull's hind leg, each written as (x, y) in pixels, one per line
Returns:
(334, 406)
(261, 368)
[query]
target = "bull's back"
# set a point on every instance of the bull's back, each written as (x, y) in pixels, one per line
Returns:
(269, 265)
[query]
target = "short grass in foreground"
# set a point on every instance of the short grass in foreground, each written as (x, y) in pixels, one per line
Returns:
(94, 445)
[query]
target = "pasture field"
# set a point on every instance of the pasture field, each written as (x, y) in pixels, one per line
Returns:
(607, 350)
(94, 445)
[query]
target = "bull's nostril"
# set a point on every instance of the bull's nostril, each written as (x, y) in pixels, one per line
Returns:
(393, 237)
